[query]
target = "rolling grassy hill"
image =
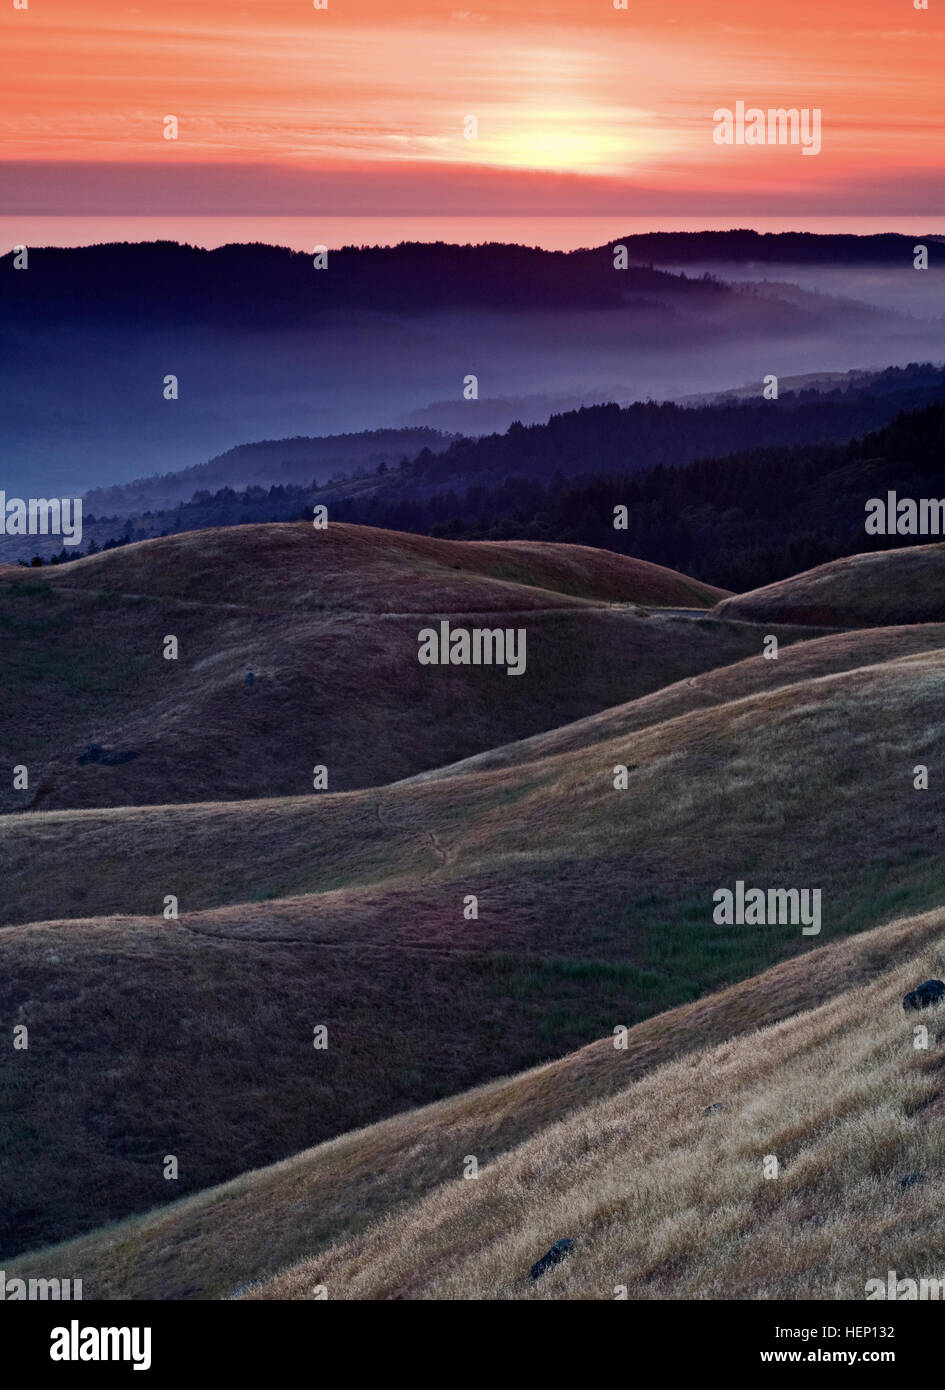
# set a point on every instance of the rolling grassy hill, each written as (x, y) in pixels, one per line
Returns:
(325, 624)
(808, 660)
(350, 569)
(869, 590)
(194, 1036)
(833, 1012)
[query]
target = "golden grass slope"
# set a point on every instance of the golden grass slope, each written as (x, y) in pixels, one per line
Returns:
(662, 1201)
(805, 660)
(244, 1231)
(870, 590)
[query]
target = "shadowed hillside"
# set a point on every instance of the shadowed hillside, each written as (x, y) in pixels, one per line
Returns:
(871, 590)
(210, 1244)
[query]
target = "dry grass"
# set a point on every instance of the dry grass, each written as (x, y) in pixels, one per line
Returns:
(193, 1037)
(595, 909)
(871, 590)
(770, 784)
(327, 624)
(803, 661)
(672, 1204)
(349, 569)
(206, 1245)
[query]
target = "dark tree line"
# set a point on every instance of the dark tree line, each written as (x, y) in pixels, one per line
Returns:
(739, 521)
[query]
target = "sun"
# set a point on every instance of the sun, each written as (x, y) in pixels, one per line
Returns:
(555, 146)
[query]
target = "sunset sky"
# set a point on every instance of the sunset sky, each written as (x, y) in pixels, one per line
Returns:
(359, 108)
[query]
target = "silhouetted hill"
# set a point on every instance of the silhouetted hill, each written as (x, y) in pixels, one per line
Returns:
(160, 283)
(261, 345)
(272, 460)
(776, 248)
(604, 437)
(253, 284)
(739, 520)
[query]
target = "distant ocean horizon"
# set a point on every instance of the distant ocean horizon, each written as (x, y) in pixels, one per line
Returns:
(304, 233)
